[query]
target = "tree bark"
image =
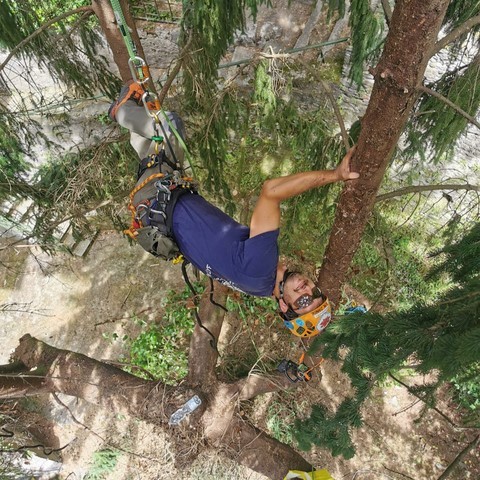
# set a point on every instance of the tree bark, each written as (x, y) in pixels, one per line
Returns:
(106, 17)
(262, 453)
(413, 31)
(203, 356)
(80, 376)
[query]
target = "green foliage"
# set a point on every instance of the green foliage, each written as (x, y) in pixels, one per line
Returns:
(443, 336)
(367, 31)
(280, 422)
(160, 348)
(461, 260)
(324, 431)
(74, 61)
(458, 12)
(264, 95)
(155, 11)
(254, 315)
(467, 389)
(13, 167)
(208, 27)
(391, 263)
(438, 125)
(334, 6)
(104, 461)
(260, 308)
(71, 186)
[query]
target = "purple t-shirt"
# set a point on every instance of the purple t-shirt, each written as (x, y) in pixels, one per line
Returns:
(221, 248)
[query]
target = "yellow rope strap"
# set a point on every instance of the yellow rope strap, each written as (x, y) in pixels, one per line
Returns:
(131, 232)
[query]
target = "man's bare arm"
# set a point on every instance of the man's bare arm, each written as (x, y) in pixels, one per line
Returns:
(266, 215)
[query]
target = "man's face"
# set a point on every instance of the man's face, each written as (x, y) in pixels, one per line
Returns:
(294, 291)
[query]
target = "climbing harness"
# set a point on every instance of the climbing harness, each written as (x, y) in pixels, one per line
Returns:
(152, 202)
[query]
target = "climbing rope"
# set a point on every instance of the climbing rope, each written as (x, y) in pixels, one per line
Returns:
(213, 340)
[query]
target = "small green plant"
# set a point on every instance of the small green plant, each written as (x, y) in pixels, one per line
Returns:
(258, 308)
(467, 390)
(280, 422)
(158, 350)
(104, 461)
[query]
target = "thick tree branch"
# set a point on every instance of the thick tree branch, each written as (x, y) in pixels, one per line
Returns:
(425, 188)
(80, 376)
(454, 34)
(41, 29)
(277, 458)
(450, 104)
(414, 29)
(341, 123)
(253, 385)
(18, 386)
(203, 356)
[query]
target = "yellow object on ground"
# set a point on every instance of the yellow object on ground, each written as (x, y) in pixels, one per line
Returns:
(317, 475)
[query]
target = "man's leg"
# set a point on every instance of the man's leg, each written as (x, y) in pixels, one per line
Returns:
(141, 126)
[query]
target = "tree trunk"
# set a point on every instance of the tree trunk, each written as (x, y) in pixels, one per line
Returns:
(216, 421)
(106, 17)
(414, 27)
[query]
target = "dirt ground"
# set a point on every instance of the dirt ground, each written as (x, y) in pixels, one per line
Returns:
(78, 303)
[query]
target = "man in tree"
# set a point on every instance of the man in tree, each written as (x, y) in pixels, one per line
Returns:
(243, 258)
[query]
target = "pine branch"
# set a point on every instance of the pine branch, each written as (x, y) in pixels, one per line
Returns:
(450, 104)
(341, 123)
(425, 188)
(459, 299)
(41, 29)
(454, 34)
(433, 408)
(174, 73)
(79, 22)
(55, 224)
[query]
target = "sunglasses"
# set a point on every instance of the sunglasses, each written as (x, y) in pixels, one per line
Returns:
(304, 301)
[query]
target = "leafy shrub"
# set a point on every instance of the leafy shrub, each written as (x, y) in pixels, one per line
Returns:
(159, 349)
(104, 461)
(467, 388)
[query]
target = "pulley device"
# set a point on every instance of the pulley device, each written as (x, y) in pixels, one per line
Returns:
(297, 372)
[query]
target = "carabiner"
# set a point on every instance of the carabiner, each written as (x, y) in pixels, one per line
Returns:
(139, 70)
(152, 98)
